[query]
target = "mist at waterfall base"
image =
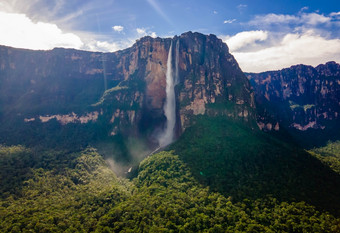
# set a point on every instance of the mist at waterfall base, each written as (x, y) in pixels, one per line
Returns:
(167, 136)
(136, 149)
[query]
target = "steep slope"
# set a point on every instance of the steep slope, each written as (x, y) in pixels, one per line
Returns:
(169, 199)
(329, 155)
(242, 163)
(71, 98)
(301, 99)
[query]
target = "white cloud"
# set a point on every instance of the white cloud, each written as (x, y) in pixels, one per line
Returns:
(215, 12)
(305, 8)
(229, 21)
(301, 18)
(246, 38)
(102, 46)
(17, 30)
(272, 19)
(334, 14)
(304, 38)
(118, 28)
(141, 31)
(144, 32)
(314, 19)
(307, 48)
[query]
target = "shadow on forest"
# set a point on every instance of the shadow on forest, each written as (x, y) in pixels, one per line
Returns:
(241, 163)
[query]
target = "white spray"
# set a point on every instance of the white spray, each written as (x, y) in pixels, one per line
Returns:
(167, 136)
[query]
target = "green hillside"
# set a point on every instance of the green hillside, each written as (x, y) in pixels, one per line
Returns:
(329, 155)
(55, 195)
(242, 163)
(81, 194)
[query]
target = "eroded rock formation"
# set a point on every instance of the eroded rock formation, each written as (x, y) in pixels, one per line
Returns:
(123, 92)
(300, 97)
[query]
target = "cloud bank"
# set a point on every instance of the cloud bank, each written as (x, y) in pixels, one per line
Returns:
(17, 30)
(301, 18)
(308, 48)
(286, 40)
(242, 39)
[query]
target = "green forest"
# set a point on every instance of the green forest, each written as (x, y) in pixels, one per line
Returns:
(227, 179)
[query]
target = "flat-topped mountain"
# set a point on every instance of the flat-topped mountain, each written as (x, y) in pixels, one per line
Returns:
(302, 99)
(89, 96)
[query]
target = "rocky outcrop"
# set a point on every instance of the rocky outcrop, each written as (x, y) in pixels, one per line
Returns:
(69, 118)
(300, 97)
(123, 93)
(210, 80)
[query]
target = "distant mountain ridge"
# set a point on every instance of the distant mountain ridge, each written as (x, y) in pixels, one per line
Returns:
(301, 99)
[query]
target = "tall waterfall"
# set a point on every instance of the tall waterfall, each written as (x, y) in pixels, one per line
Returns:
(167, 135)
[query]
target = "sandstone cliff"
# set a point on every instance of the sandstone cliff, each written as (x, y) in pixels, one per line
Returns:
(300, 97)
(121, 93)
(209, 82)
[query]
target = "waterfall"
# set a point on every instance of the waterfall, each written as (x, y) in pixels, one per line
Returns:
(167, 135)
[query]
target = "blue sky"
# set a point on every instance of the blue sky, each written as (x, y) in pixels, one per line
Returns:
(262, 35)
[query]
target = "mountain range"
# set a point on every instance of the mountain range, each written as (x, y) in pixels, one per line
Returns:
(242, 145)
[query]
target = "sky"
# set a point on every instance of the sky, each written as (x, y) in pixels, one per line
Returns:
(262, 35)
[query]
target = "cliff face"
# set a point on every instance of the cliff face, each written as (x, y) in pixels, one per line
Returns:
(211, 81)
(300, 97)
(121, 93)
